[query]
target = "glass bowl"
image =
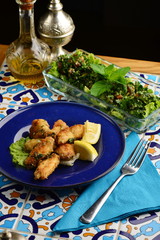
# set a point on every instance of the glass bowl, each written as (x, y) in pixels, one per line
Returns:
(124, 119)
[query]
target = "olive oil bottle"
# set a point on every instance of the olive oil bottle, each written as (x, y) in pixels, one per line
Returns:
(27, 56)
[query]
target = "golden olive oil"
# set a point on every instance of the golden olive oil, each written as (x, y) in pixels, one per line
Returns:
(27, 56)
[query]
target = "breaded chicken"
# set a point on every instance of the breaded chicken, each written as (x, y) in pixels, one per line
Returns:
(77, 130)
(40, 129)
(64, 136)
(49, 147)
(58, 126)
(31, 143)
(65, 151)
(40, 151)
(46, 167)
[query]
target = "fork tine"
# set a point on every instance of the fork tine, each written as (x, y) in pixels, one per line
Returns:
(142, 155)
(139, 153)
(135, 151)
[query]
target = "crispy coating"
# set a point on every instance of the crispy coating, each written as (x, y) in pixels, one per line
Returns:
(46, 167)
(31, 162)
(48, 147)
(64, 136)
(31, 143)
(40, 129)
(77, 130)
(58, 126)
(40, 151)
(65, 151)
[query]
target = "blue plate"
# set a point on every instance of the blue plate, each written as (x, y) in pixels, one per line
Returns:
(110, 145)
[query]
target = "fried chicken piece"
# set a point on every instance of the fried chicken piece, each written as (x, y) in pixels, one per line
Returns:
(40, 129)
(40, 151)
(31, 143)
(31, 162)
(65, 151)
(58, 126)
(64, 136)
(77, 130)
(46, 167)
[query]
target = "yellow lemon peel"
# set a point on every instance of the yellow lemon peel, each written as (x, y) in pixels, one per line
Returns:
(86, 150)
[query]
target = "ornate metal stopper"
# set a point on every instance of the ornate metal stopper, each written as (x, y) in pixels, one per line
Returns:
(56, 28)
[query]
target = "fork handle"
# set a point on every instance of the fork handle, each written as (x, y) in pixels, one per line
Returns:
(90, 214)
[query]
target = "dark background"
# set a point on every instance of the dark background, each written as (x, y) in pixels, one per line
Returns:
(120, 28)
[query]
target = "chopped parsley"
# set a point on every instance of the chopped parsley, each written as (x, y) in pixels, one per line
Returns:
(108, 83)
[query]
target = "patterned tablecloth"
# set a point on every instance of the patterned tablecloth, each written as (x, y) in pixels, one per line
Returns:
(33, 213)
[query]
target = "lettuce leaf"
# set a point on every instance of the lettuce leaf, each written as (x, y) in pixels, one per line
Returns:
(18, 152)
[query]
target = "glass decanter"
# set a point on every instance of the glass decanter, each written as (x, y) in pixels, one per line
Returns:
(27, 56)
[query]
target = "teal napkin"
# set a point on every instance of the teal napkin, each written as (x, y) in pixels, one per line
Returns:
(133, 195)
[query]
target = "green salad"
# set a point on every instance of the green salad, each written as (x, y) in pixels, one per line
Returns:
(18, 151)
(107, 83)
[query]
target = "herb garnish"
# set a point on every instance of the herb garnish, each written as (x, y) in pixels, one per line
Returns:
(108, 83)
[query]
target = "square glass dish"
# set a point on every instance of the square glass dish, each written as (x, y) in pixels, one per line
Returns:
(123, 118)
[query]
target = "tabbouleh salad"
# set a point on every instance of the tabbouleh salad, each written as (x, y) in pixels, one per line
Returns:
(107, 83)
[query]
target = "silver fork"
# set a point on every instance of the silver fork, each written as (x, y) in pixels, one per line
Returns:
(132, 165)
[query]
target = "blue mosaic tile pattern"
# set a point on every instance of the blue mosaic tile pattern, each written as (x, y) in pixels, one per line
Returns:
(33, 213)
(13, 93)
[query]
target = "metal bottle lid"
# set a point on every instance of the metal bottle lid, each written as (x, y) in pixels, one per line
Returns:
(55, 5)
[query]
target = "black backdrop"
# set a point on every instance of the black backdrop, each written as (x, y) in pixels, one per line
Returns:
(123, 28)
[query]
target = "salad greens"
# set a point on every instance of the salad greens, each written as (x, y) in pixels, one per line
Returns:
(18, 152)
(107, 83)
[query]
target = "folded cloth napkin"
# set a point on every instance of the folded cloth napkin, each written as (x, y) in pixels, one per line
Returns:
(134, 194)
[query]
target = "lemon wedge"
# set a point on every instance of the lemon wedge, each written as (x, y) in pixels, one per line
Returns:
(86, 150)
(92, 132)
